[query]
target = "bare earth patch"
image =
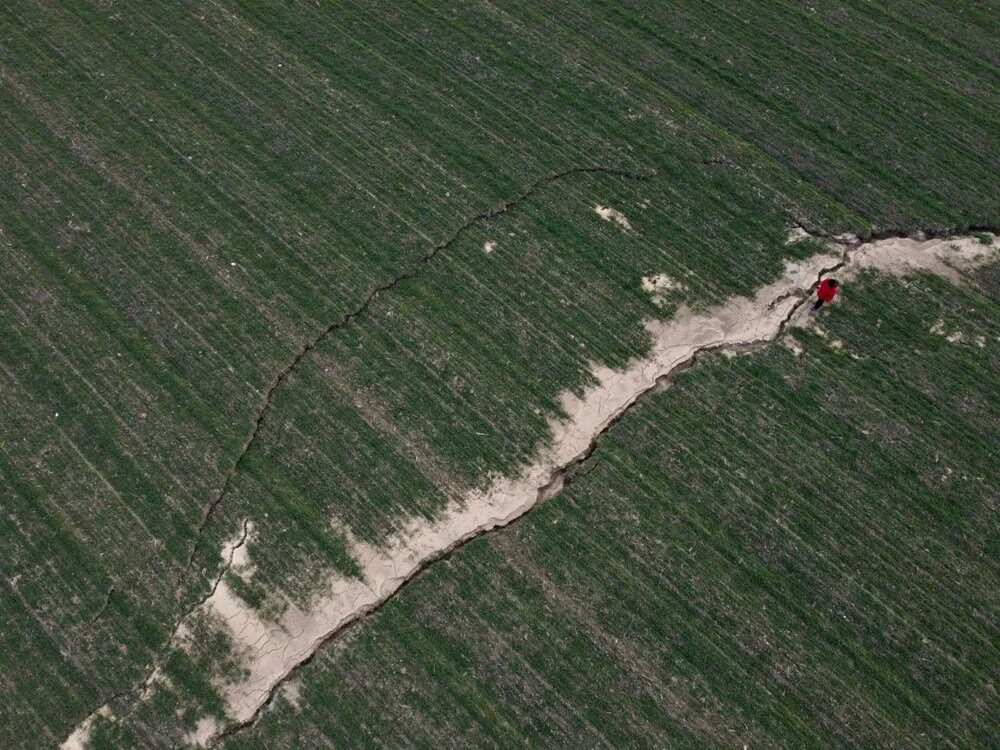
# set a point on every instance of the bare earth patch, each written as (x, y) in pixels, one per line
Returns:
(613, 214)
(271, 651)
(80, 737)
(945, 257)
(659, 286)
(203, 733)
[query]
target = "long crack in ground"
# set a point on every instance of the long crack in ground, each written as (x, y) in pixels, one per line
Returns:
(767, 317)
(742, 325)
(559, 480)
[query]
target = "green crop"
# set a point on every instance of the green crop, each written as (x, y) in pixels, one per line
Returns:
(191, 197)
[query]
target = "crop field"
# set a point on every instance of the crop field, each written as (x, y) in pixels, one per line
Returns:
(280, 278)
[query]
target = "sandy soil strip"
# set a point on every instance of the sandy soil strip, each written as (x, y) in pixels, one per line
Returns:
(271, 651)
(80, 738)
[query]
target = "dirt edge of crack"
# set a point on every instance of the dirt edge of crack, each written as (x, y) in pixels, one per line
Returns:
(226, 567)
(559, 479)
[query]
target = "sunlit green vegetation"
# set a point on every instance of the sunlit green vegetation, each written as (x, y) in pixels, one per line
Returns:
(189, 193)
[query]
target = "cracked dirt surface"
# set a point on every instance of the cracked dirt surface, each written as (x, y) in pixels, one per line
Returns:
(272, 652)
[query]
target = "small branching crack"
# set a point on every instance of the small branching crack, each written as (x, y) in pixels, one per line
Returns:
(227, 565)
(147, 683)
(411, 272)
(103, 608)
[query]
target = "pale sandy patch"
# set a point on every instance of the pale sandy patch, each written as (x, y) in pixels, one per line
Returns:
(659, 286)
(291, 691)
(796, 234)
(945, 257)
(240, 563)
(234, 554)
(848, 238)
(954, 337)
(80, 737)
(204, 732)
(613, 214)
(489, 246)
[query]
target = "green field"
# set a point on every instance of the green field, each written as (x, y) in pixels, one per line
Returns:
(245, 278)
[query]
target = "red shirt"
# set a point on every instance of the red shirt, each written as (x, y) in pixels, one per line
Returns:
(826, 291)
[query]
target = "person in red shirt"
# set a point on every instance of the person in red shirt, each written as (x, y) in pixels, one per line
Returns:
(826, 291)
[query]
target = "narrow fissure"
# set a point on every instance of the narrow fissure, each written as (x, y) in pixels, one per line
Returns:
(260, 415)
(409, 273)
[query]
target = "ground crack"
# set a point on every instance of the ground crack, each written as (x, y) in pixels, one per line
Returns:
(226, 567)
(104, 606)
(558, 480)
(850, 252)
(146, 684)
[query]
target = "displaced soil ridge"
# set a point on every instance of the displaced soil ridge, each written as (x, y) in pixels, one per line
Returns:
(742, 325)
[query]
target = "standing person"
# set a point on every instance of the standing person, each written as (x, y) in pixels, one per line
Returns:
(826, 291)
